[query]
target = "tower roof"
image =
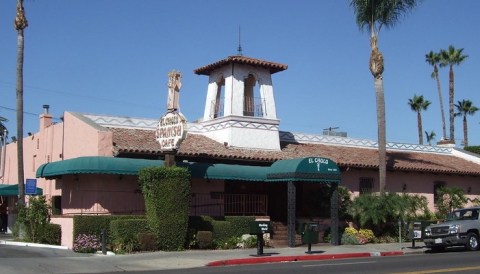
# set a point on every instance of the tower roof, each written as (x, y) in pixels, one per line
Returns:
(239, 59)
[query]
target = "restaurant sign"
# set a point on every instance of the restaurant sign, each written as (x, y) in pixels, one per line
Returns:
(171, 131)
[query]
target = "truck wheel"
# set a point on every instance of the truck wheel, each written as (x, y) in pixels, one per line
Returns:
(472, 241)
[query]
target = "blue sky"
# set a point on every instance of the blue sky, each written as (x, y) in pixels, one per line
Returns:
(113, 56)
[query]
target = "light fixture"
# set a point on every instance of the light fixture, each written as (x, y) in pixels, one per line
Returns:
(404, 187)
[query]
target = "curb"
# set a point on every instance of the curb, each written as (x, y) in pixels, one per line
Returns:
(3, 242)
(279, 259)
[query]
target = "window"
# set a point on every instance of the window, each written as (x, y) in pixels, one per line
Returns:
(366, 185)
(436, 186)
(218, 103)
(56, 205)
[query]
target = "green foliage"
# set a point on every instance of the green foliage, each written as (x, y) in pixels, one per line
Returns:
(50, 234)
(474, 149)
(349, 239)
(345, 202)
(450, 198)
(222, 232)
(94, 225)
(381, 212)
(147, 241)
(34, 217)
(167, 197)
(239, 224)
(204, 239)
(124, 234)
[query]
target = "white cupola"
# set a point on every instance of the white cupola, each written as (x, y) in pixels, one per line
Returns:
(240, 106)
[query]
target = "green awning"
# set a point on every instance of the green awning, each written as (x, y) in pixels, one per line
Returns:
(12, 190)
(226, 172)
(312, 169)
(95, 165)
(127, 166)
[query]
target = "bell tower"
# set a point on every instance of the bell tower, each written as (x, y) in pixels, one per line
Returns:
(240, 106)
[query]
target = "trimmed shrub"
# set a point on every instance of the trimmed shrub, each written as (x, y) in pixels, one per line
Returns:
(124, 234)
(166, 191)
(50, 234)
(147, 241)
(204, 239)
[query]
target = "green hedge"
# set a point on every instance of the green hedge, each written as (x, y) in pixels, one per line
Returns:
(50, 234)
(94, 225)
(124, 234)
(166, 191)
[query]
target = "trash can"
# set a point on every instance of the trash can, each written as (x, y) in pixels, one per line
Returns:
(259, 228)
(310, 235)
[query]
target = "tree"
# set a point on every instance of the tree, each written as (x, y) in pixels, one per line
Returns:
(2, 125)
(449, 58)
(372, 15)
(433, 59)
(20, 24)
(464, 108)
(417, 104)
(430, 137)
(450, 198)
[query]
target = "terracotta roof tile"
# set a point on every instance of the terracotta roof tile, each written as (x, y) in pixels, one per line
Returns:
(195, 145)
(239, 59)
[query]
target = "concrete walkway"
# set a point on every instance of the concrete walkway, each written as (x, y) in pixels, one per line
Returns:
(67, 261)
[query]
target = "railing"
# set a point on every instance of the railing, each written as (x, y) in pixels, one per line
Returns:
(253, 107)
(221, 204)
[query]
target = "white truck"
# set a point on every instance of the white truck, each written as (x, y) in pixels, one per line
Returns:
(461, 228)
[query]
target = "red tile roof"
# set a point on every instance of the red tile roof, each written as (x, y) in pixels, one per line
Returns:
(239, 59)
(198, 146)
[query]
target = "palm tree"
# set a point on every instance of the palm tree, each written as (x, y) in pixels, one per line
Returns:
(2, 125)
(20, 24)
(417, 104)
(433, 59)
(464, 108)
(430, 137)
(372, 15)
(451, 57)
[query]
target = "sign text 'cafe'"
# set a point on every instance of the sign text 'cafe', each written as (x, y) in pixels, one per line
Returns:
(171, 131)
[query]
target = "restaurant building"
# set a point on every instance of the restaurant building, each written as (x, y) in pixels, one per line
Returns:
(241, 162)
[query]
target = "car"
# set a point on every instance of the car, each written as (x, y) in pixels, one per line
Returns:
(461, 228)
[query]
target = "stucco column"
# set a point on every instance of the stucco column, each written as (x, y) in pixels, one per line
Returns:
(334, 214)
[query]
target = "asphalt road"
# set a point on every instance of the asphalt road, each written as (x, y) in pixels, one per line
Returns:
(459, 261)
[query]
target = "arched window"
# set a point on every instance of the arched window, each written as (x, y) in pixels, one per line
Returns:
(252, 105)
(217, 104)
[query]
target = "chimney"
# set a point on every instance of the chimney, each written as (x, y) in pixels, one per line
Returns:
(45, 118)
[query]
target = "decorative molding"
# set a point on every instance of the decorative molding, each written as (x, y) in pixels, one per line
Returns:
(345, 141)
(123, 122)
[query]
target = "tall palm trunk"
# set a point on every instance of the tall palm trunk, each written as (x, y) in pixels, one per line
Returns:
(450, 102)
(420, 130)
(465, 131)
(376, 68)
(20, 24)
(442, 109)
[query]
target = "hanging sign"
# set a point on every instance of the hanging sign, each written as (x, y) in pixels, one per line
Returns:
(171, 131)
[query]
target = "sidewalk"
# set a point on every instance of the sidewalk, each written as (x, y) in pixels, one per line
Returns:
(68, 261)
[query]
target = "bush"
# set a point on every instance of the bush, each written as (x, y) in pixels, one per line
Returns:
(166, 191)
(124, 234)
(50, 234)
(204, 239)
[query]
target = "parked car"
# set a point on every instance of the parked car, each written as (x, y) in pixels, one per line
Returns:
(461, 228)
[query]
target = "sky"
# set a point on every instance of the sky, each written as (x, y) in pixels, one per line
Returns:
(112, 57)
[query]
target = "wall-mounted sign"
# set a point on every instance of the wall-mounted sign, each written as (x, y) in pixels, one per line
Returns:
(171, 131)
(31, 186)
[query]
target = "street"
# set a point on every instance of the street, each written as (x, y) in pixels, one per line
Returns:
(458, 261)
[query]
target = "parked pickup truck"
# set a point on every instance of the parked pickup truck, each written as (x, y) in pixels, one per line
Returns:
(461, 228)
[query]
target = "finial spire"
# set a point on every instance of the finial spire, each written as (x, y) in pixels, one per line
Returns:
(239, 49)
